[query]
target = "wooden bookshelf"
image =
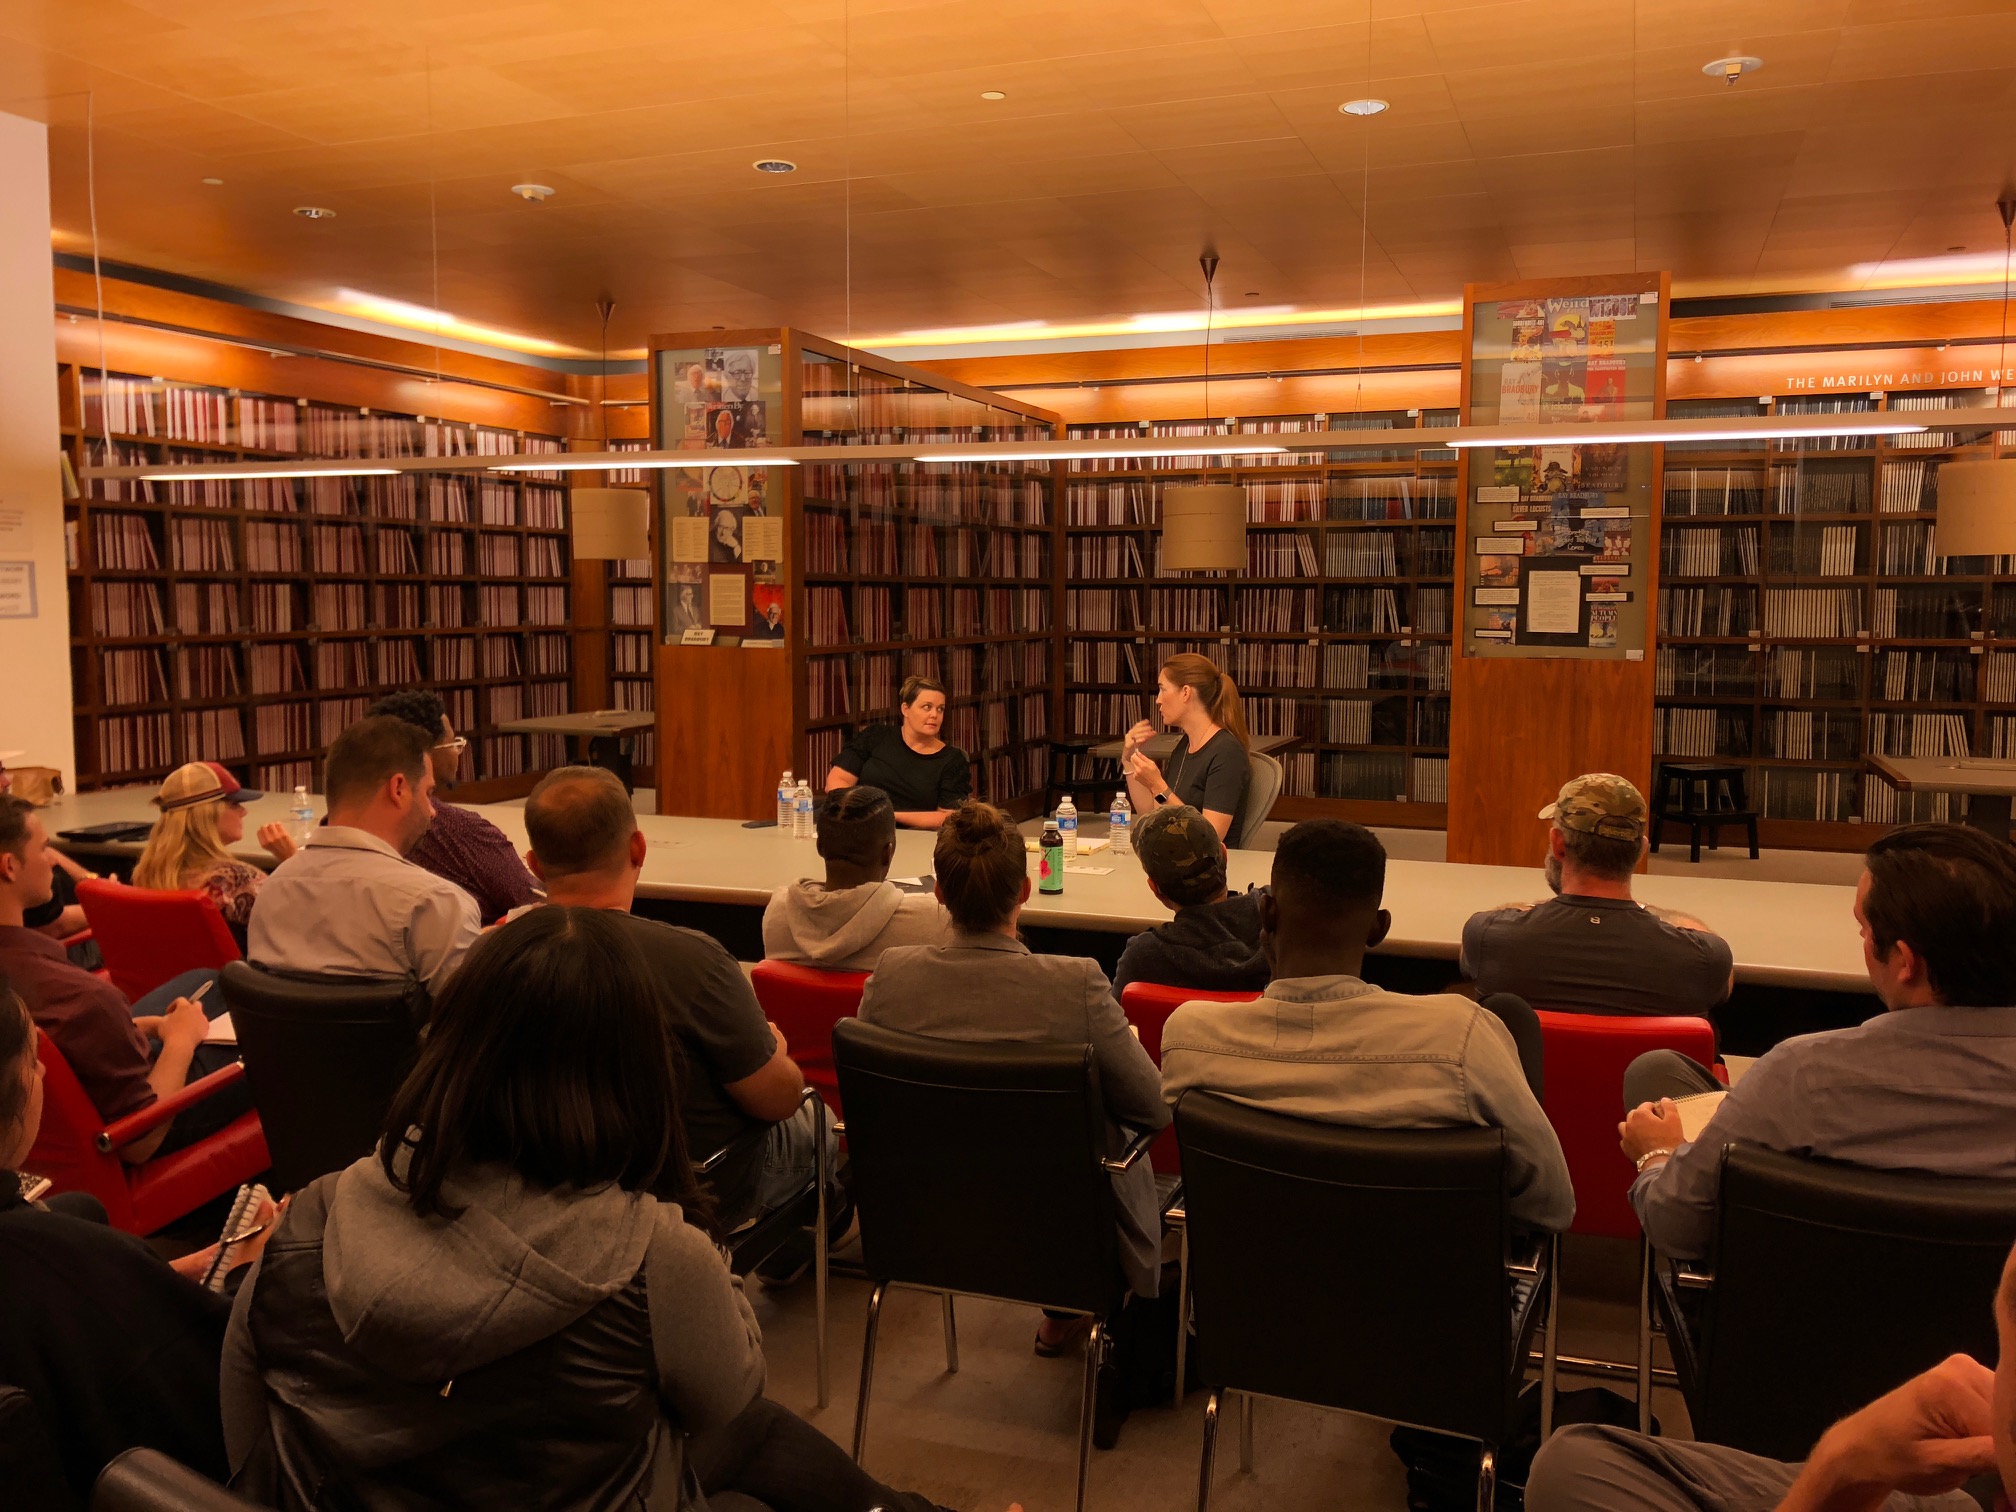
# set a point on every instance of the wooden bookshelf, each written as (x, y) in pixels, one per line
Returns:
(267, 614)
(1338, 632)
(1844, 634)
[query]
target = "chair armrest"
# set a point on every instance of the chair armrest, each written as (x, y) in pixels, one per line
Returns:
(1136, 1148)
(1688, 1279)
(83, 936)
(125, 1131)
(750, 1136)
(1172, 1204)
(1529, 1259)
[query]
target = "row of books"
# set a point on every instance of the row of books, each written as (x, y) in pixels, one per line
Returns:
(629, 605)
(1940, 676)
(201, 546)
(1925, 611)
(631, 654)
(1697, 552)
(1918, 734)
(950, 492)
(123, 543)
(144, 407)
(1812, 612)
(1269, 611)
(284, 727)
(1804, 793)
(1714, 490)
(1812, 734)
(1883, 804)
(133, 742)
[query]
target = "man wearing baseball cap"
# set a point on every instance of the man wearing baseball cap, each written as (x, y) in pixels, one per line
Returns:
(1213, 943)
(1592, 948)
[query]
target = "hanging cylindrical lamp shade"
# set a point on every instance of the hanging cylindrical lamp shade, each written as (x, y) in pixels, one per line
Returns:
(611, 524)
(1977, 509)
(1204, 527)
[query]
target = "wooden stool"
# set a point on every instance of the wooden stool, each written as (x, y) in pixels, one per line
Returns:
(1703, 795)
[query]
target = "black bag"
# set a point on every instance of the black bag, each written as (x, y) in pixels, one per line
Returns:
(1442, 1469)
(1140, 1365)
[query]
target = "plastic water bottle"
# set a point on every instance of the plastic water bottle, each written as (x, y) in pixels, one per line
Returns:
(801, 813)
(1050, 872)
(1067, 826)
(787, 799)
(1120, 825)
(302, 816)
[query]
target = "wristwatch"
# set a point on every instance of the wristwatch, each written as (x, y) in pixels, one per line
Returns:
(1162, 797)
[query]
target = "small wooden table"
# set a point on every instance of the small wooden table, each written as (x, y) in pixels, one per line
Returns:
(600, 738)
(1988, 784)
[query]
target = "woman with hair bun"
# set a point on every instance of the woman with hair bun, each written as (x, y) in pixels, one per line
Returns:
(1208, 769)
(986, 985)
(924, 777)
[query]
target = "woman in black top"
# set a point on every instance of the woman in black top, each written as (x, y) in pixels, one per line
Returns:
(116, 1348)
(924, 777)
(1208, 769)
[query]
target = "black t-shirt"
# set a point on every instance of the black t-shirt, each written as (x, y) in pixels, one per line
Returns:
(724, 1038)
(62, 893)
(878, 757)
(1213, 777)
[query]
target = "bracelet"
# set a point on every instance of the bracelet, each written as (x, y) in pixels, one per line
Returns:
(1639, 1164)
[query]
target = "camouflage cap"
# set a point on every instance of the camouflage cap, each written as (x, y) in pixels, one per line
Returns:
(1599, 803)
(1178, 847)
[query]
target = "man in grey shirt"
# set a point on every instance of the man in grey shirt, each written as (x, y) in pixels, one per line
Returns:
(349, 903)
(1592, 948)
(1323, 1044)
(1929, 1085)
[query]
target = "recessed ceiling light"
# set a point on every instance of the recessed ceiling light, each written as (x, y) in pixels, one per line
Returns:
(774, 165)
(1363, 107)
(1956, 249)
(213, 182)
(1252, 293)
(1731, 69)
(533, 192)
(314, 212)
(992, 94)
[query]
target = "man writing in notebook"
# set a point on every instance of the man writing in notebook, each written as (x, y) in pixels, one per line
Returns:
(1929, 1085)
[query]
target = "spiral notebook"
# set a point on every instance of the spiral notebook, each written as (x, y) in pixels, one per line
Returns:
(244, 1208)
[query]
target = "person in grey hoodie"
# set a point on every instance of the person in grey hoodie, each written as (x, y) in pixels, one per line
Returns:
(515, 1300)
(845, 922)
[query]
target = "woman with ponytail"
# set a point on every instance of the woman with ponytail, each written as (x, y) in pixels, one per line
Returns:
(1208, 769)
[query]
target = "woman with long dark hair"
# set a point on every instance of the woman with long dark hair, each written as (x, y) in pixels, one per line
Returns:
(517, 1298)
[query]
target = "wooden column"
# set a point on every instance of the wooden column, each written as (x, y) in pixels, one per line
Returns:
(1520, 726)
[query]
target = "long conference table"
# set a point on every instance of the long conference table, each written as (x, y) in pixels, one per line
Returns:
(1797, 948)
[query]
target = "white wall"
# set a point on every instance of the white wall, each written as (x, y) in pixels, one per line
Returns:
(35, 702)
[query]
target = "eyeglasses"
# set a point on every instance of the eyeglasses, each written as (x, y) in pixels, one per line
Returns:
(458, 745)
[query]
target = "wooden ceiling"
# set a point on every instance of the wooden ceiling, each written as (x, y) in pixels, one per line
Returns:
(1527, 138)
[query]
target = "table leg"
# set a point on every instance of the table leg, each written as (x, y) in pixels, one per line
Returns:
(608, 751)
(1989, 813)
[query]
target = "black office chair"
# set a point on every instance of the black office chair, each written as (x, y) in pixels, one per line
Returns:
(755, 1242)
(146, 1480)
(1829, 1286)
(323, 1056)
(1368, 1270)
(29, 1468)
(978, 1171)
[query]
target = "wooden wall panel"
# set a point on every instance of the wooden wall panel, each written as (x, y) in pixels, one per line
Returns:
(724, 730)
(1525, 728)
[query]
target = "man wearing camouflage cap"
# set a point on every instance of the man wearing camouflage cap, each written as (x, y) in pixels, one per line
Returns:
(1213, 943)
(1591, 948)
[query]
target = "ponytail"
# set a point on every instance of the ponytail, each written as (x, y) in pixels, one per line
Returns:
(1215, 690)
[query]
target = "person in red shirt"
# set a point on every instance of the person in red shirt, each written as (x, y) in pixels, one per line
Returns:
(124, 1057)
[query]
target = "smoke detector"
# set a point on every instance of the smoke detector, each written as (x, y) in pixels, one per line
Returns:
(314, 212)
(1729, 70)
(534, 192)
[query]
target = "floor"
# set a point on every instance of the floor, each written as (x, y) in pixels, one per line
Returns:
(1004, 1429)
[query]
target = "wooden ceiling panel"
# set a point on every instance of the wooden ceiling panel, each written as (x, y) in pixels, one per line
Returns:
(1536, 136)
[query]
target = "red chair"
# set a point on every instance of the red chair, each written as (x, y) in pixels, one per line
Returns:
(78, 1151)
(1586, 1054)
(1148, 1006)
(148, 937)
(805, 1003)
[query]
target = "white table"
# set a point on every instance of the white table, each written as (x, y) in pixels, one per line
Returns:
(1783, 934)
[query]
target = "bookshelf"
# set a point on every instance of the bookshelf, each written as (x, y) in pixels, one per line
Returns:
(632, 621)
(248, 621)
(1338, 631)
(890, 569)
(1807, 619)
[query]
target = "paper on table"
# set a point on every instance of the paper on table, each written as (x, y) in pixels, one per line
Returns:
(1695, 1112)
(1086, 844)
(689, 538)
(1553, 603)
(221, 1031)
(762, 538)
(727, 599)
(1087, 871)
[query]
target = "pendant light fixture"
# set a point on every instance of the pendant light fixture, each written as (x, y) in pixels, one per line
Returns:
(1977, 500)
(610, 524)
(1204, 524)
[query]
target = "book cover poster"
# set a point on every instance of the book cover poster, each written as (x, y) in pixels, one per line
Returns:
(1568, 533)
(692, 384)
(1519, 391)
(724, 537)
(1528, 335)
(1554, 469)
(683, 610)
(1603, 625)
(1500, 622)
(1512, 467)
(1615, 541)
(1497, 571)
(766, 620)
(1602, 335)
(1563, 388)
(1614, 307)
(1603, 388)
(1600, 467)
(1521, 309)
(1567, 327)
(738, 371)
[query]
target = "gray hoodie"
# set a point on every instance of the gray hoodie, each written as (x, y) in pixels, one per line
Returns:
(847, 929)
(426, 1300)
